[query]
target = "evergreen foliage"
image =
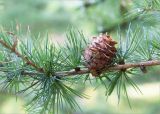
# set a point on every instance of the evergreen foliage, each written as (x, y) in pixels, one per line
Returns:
(50, 73)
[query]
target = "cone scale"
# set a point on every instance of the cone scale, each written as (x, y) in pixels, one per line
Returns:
(99, 54)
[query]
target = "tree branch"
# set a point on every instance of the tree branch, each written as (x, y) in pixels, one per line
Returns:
(113, 68)
(73, 72)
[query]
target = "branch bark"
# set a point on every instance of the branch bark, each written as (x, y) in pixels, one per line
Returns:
(113, 68)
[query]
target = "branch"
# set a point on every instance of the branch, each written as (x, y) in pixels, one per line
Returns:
(123, 23)
(114, 68)
(13, 49)
(74, 71)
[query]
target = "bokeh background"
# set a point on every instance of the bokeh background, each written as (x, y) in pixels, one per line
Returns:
(92, 17)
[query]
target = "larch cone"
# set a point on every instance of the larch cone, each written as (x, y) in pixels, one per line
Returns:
(100, 54)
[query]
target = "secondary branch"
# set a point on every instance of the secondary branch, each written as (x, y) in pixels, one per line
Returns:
(12, 48)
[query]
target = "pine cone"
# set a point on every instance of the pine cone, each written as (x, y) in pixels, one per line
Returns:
(99, 54)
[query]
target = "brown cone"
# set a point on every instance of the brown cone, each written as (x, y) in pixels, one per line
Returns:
(99, 54)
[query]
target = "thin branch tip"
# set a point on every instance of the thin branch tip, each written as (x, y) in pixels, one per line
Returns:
(24, 58)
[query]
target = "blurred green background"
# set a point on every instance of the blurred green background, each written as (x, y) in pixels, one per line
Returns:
(93, 17)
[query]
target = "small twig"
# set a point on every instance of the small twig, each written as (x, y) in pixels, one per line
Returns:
(13, 49)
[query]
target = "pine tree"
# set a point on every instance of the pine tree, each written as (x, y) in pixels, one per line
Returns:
(48, 73)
